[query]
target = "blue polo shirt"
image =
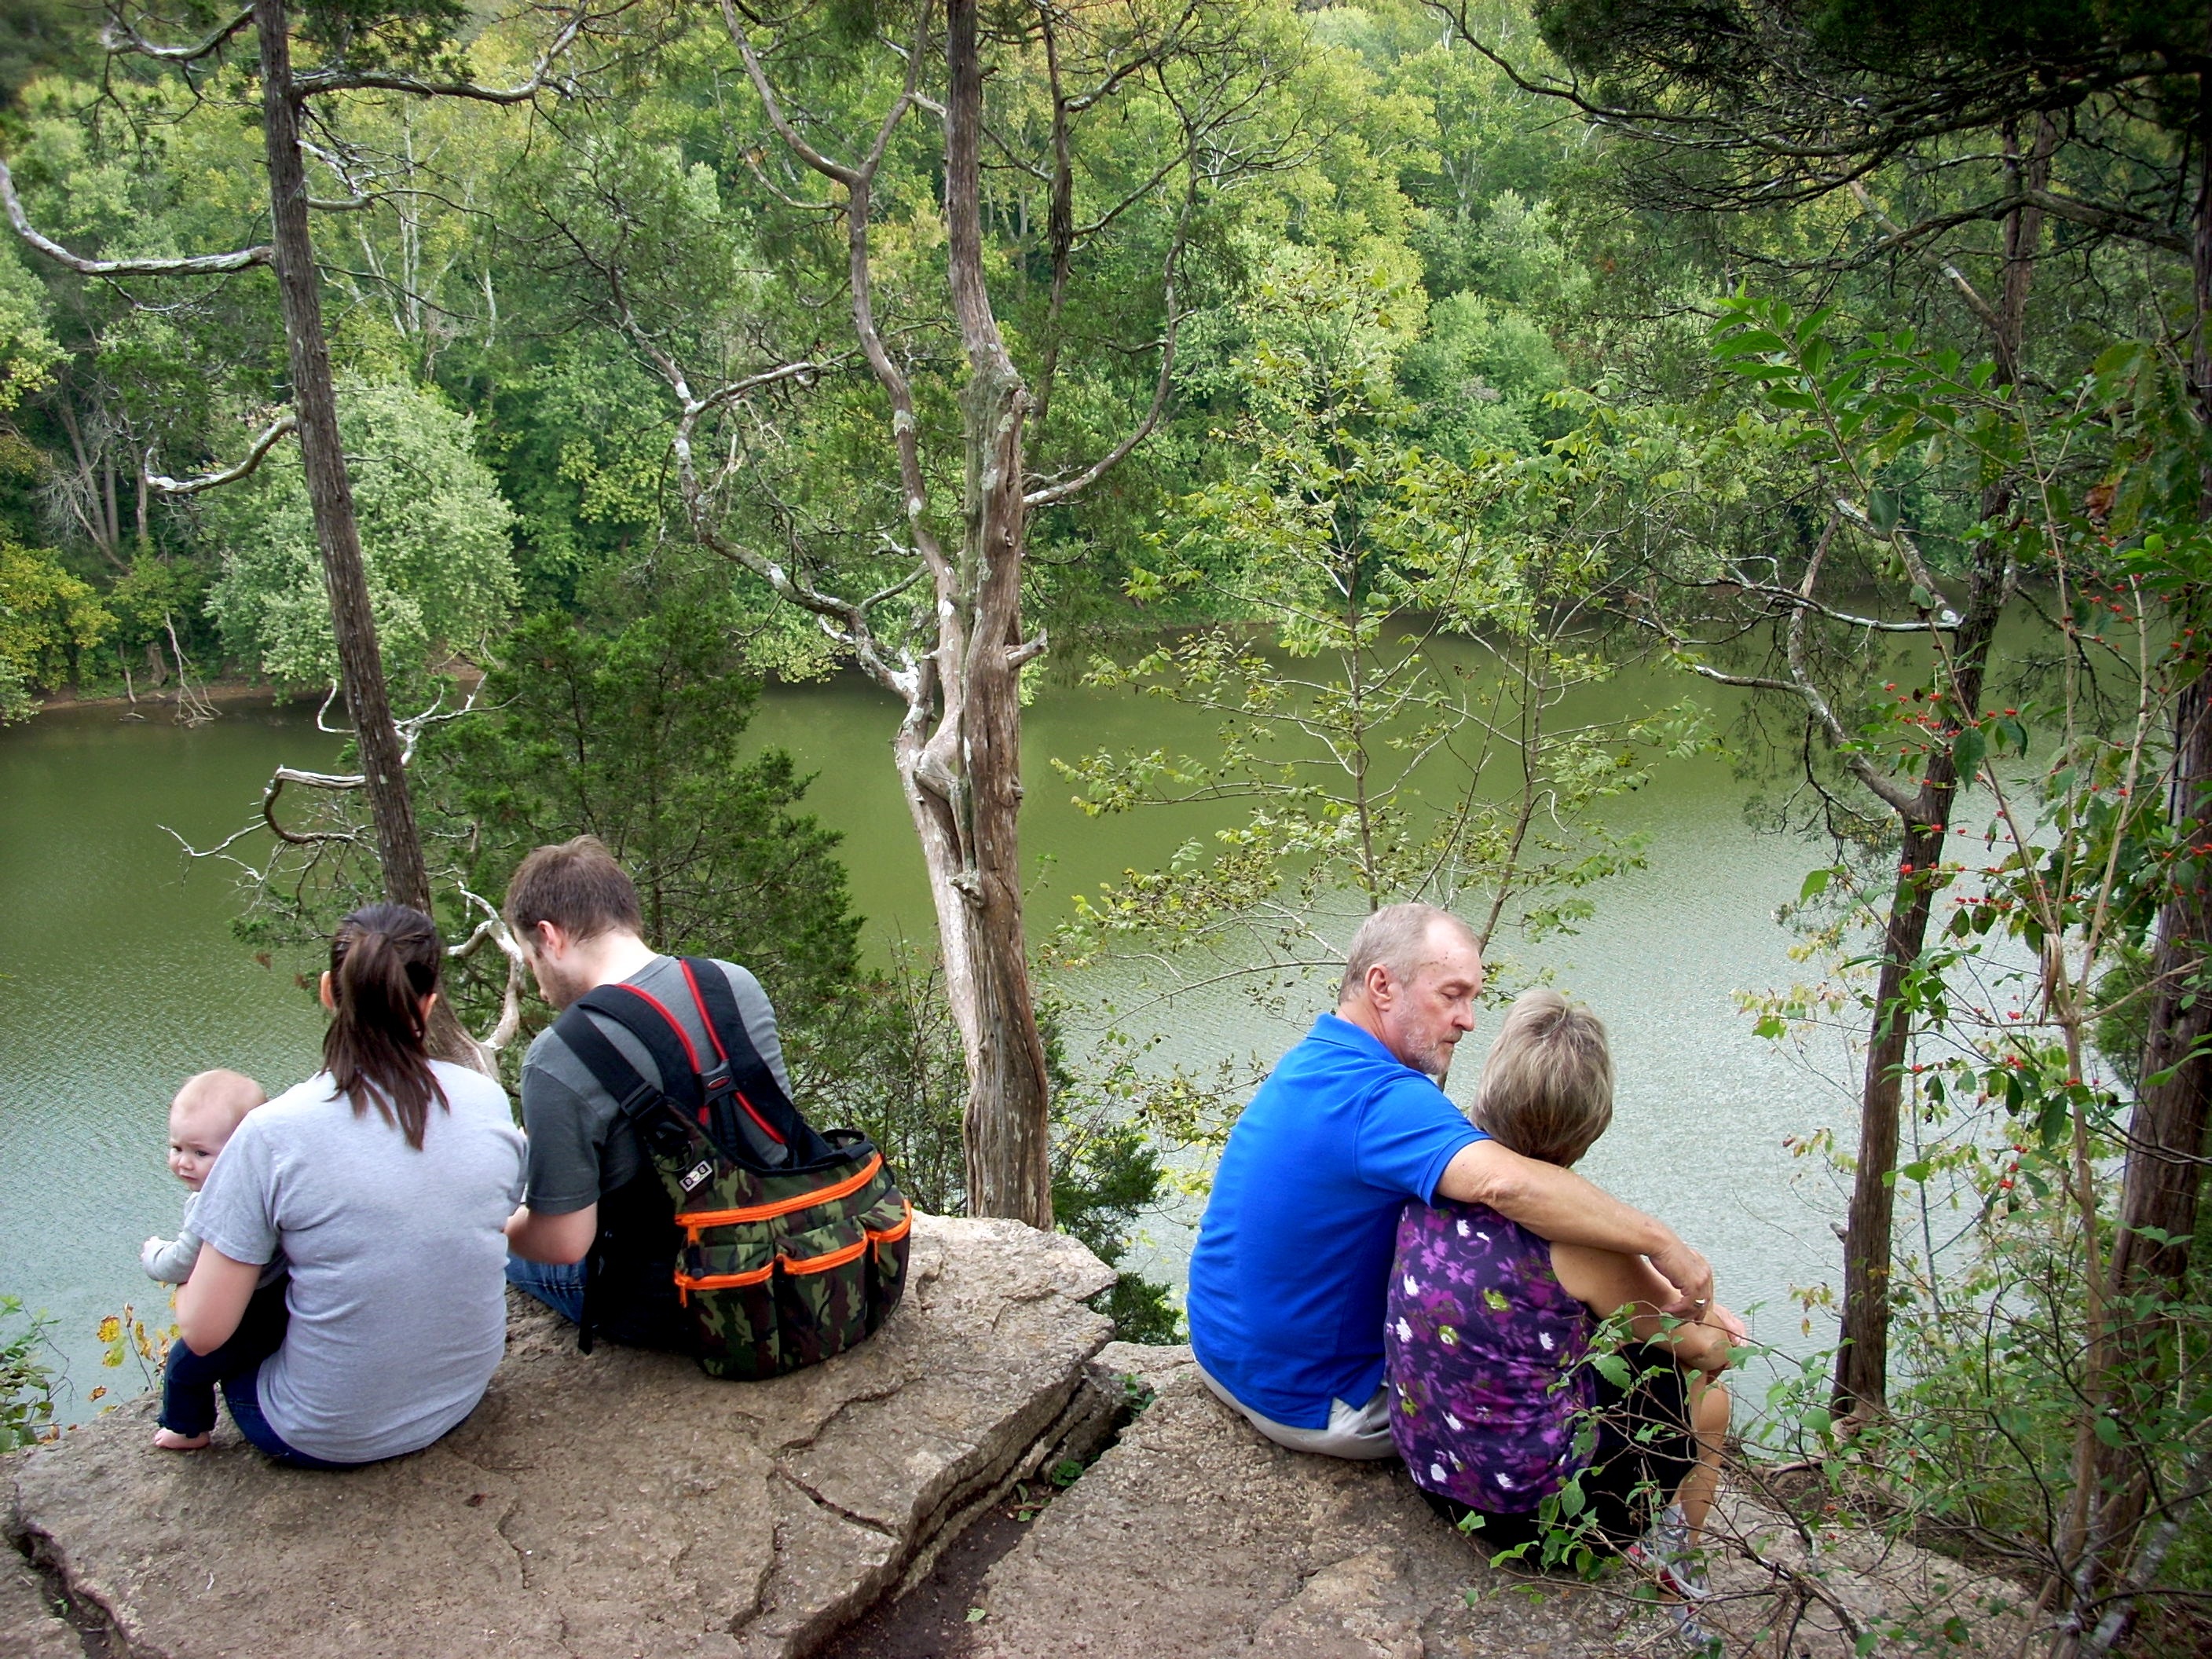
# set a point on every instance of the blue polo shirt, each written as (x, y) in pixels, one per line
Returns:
(1290, 1276)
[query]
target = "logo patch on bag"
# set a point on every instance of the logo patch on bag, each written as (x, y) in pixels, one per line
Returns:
(697, 1173)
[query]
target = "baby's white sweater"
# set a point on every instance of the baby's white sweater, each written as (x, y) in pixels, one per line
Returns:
(170, 1261)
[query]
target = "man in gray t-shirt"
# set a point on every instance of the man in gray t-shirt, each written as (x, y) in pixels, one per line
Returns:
(574, 912)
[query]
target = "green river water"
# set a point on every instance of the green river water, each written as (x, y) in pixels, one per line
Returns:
(119, 976)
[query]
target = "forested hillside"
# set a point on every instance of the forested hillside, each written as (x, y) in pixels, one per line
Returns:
(539, 381)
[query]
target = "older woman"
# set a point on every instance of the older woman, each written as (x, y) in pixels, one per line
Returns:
(385, 1181)
(1490, 1328)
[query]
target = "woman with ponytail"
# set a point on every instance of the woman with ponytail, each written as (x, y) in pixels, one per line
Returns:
(383, 1181)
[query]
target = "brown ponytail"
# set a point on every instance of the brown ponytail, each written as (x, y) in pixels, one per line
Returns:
(385, 959)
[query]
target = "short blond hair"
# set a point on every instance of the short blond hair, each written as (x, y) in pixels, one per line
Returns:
(232, 1093)
(1547, 1089)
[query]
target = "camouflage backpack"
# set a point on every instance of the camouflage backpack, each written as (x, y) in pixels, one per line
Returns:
(787, 1245)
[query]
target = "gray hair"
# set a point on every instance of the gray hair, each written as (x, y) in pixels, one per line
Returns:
(1397, 938)
(1546, 1088)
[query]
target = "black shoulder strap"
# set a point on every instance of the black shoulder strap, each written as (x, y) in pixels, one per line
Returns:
(761, 1099)
(644, 1018)
(636, 1098)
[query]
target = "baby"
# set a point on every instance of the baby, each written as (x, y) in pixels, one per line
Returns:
(201, 1120)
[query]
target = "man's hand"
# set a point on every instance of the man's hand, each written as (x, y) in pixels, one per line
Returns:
(1727, 1319)
(1559, 1205)
(1691, 1275)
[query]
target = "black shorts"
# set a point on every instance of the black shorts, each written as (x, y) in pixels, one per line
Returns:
(1645, 1449)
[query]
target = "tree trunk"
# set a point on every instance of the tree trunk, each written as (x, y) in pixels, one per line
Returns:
(1862, 1379)
(330, 495)
(2164, 1184)
(977, 748)
(322, 455)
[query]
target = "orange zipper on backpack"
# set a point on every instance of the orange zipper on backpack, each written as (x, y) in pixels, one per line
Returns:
(686, 1283)
(694, 1222)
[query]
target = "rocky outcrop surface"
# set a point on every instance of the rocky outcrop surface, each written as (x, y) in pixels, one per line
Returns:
(603, 1506)
(1195, 1537)
(28, 1627)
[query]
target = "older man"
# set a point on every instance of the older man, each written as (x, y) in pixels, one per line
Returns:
(1287, 1282)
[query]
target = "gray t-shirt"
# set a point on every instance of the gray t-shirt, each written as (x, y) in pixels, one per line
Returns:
(398, 1298)
(579, 1151)
(170, 1261)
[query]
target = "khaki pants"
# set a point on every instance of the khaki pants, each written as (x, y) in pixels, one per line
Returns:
(1361, 1433)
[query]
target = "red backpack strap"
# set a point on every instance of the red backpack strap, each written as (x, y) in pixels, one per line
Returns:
(759, 1100)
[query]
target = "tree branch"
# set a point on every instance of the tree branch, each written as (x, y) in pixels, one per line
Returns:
(314, 82)
(202, 265)
(1982, 309)
(1947, 620)
(245, 468)
(1050, 494)
(2116, 222)
(858, 183)
(774, 105)
(494, 928)
(119, 37)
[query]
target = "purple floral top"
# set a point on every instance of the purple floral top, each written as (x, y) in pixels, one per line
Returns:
(1481, 1339)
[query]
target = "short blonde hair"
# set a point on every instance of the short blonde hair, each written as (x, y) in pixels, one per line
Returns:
(1546, 1088)
(232, 1093)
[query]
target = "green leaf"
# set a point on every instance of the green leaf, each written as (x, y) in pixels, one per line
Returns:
(1966, 751)
(1816, 882)
(1614, 1369)
(1751, 340)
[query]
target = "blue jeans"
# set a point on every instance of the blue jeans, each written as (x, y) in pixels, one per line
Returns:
(189, 1379)
(238, 1393)
(559, 1285)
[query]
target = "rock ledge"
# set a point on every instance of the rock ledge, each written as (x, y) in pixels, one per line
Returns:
(1194, 1538)
(603, 1506)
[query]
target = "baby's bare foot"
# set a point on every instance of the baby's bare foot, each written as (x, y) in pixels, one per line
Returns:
(170, 1440)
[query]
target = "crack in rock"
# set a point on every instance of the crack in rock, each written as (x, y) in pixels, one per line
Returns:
(808, 1442)
(878, 1528)
(88, 1625)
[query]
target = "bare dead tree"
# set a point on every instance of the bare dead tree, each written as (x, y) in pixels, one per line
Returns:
(934, 614)
(290, 257)
(329, 829)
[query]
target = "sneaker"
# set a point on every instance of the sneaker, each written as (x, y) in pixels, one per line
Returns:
(1693, 1636)
(1665, 1554)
